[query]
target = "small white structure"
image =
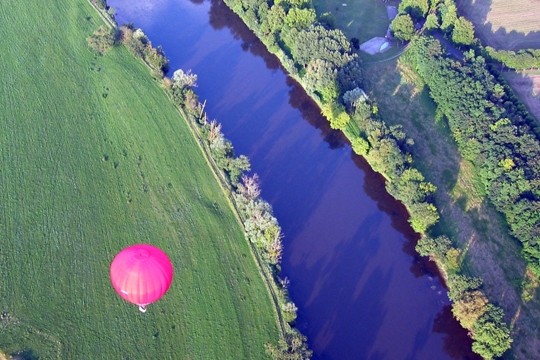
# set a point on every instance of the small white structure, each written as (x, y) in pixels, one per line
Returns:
(375, 45)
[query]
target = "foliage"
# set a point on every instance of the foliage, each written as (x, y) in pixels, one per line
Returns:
(352, 98)
(448, 15)
(432, 22)
(469, 308)
(360, 145)
(336, 115)
(461, 284)
(423, 215)
(316, 42)
(300, 18)
(491, 335)
(102, 4)
(139, 45)
(437, 248)
(463, 32)
(417, 9)
(403, 27)
(492, 131)
(102, 39)
(261, 227)
(517, 60)
(289, 310)
(293, 347)
(411, 187)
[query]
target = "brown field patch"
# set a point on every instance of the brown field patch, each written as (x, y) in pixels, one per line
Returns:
(527, 87)
(504, 24)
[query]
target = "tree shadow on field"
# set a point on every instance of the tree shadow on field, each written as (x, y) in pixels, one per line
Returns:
(526, 85)
(26, 354)
(500, 38)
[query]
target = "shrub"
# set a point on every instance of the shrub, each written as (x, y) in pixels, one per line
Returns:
(491, 335)
(102, 39)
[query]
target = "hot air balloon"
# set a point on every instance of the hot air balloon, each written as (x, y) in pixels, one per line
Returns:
(141, 274)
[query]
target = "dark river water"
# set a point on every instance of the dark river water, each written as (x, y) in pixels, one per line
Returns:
(361, 291)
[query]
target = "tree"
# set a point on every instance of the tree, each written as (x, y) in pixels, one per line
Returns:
(275, 19)
(463, 32)
(411, 187)
(102, 39)
(470, 308)
(491, 335)
(321, 77)
(448, 14)
(336, 115)
(403, 27)
(423, 215)
(461, 284)
(416, 8)
(300, 18)
(352, 97)
(293, 347)
(360, 145)
(437, 247)
(236, 167)
(432, 22)
(185, 79)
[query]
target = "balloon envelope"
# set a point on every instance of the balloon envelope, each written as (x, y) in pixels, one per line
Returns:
(141, 274)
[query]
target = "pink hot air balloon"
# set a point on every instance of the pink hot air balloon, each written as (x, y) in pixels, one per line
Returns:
(141, 274)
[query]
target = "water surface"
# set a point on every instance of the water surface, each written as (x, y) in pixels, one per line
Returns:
(361, 290)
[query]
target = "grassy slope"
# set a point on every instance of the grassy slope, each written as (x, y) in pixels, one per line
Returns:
(480, 230)
(350, 18)
(94, 157)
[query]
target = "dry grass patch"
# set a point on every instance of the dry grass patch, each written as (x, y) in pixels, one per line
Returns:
(465, 190)
(504, 24)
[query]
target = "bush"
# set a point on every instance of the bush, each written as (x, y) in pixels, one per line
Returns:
(470, 308)
(463, 32)
(423, 215)
(491, 335)
(102, 39)
(403, 27)
(436, 248)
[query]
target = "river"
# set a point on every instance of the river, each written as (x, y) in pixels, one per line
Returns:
(361, 290)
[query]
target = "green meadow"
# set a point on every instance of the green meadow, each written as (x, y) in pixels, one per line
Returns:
(361, 19)
(94, 157)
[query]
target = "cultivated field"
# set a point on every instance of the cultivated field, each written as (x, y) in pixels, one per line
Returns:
(503, 24)
(94, 157)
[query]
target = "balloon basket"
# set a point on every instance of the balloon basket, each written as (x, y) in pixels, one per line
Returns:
(142, 308)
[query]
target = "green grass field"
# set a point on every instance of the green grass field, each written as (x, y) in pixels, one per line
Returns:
(94, 158)
(362, 19)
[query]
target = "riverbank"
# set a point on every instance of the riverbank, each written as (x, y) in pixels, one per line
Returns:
(254, 214)
(363, 143)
